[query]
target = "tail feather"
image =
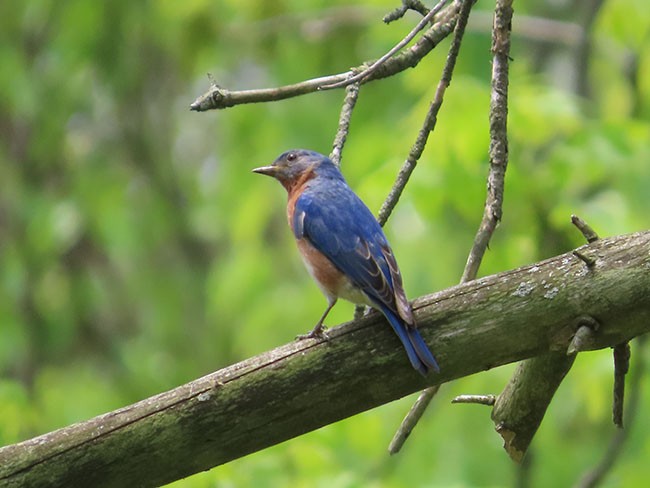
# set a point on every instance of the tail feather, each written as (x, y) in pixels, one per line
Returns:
(416, 349)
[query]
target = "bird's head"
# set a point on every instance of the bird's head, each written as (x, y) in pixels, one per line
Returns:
(297, 166)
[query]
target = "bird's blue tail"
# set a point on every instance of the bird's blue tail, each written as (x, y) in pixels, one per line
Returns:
(416, 349)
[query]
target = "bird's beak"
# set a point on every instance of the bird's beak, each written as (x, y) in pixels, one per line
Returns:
(267, 170)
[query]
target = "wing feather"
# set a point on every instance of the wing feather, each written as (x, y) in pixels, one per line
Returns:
(349, 235)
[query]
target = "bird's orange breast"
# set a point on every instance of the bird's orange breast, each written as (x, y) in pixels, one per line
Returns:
(294, 190)
(328, 276)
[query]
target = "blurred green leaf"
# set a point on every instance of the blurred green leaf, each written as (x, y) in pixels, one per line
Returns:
(137, 250)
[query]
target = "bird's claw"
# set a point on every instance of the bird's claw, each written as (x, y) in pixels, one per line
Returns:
(317, 333)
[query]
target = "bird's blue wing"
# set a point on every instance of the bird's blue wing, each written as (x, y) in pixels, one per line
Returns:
(339, 225)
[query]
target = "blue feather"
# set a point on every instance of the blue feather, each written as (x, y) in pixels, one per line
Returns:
(328, 214)
(416, 349)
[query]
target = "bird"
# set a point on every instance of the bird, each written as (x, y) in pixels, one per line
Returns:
(344, 248)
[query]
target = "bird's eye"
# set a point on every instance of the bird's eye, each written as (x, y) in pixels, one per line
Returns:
(291, 157)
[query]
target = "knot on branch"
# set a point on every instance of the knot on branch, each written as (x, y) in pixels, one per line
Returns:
(589, 234)
(589, 261)
(585, 335)
(215, 97)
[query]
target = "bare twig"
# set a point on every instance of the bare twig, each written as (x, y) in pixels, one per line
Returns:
(430, 119)
(420, 406)
(375, 66)
(522, 404)
(498, 164)
(407, 5)
(621, 367)
(584, 227)
(594, 476)
(589, 261)
(219, 98)
(584, 335)
(498, 137)
(425, 397)
(478, 399)
(351, 95)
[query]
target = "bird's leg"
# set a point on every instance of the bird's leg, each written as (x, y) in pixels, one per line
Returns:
(317, 332)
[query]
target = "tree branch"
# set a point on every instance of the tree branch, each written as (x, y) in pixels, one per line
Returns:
(351, 95)
(595, 475)
(398, 13)
(242, 409)
(376, 65)
(496, 179)
(218, 97)
(430, 119)
(487, 400)
(588, 233)
(498, 137)
(521, 406)
(621, 368)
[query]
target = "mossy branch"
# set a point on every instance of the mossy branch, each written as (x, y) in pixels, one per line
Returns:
(302, 386)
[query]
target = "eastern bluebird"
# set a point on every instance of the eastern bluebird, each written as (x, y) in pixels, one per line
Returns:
(344, 247)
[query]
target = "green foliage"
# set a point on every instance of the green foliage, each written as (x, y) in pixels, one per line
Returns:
(137, 251)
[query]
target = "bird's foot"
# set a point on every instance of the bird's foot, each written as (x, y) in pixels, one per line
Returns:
(317, 332)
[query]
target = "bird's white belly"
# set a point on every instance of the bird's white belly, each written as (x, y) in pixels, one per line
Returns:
(351, 293)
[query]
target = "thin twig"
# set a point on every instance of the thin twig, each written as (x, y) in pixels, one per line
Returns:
(589, 261)
(477, 399)
(430, 119)
(498, 159)
(585, 228)
(407, 5)
(621, 367)
(420, 406)
(498, 138)
(375, 66)
(351, 95)
(219, 98)
(595, 475)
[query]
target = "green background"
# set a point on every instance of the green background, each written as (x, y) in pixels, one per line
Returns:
(138, 251)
